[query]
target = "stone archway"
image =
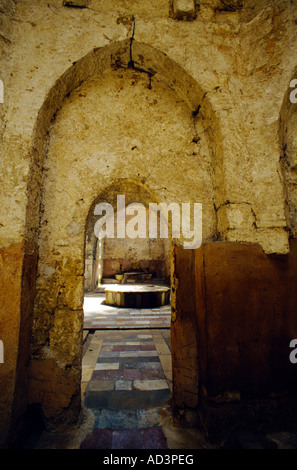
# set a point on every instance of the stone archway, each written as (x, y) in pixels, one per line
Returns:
(103, 121)
(107, 256)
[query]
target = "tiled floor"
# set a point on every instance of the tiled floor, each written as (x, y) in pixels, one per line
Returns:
(125, 387)
(97, 315)
(147, 438)
(126, 382)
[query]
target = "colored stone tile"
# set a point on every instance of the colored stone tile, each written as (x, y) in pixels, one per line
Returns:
(123, 399)
(106, 348)
(150, 365)
(130, 365)
(107, 375)
(127, 399)
(108, 360)
(149, 340)
(128, 354)
(116, 419)
(128, 347)
(107, 365)
(98, 399)
(127, 439)
(123, 385)
(98, 439)
(108, 317)
(154, 438)
(151, 374)
(118, 348)
(131, 374)
(147, 353)
(109, 354)
(100, 385)
(150, 384)
(138, 359)
(113, 343)
(147, 418)
(147, 347)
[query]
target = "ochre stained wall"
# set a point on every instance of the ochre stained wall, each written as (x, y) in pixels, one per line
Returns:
(246, 311)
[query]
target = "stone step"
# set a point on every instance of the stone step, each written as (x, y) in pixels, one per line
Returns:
(126, 399)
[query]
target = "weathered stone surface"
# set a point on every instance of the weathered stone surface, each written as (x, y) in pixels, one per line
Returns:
(227, 96)
(142, 296)
(184, 9)
(76, 3)
(17, 268)
(184, 332)
(50, 387)
(231, 5)
(11, 260)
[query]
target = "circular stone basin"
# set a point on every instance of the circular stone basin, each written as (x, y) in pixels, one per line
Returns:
(137, 296)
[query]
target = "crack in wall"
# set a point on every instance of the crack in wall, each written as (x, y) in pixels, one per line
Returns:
(131, 63)
(227, 203)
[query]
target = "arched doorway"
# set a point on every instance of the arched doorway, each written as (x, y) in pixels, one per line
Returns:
(117, 254)
(109, 125)
(126, 365)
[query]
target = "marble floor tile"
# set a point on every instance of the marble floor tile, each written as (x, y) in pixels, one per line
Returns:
(107, 375)
(116, 419)
(101, 385)
(123, 385)
(158, 384)
(147, 353)
(98, 439)
(107, 365)
(127, 439)
(154, 438)
(128, 354)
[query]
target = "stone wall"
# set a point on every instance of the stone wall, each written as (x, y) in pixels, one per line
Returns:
(97, 140)
(7, 9)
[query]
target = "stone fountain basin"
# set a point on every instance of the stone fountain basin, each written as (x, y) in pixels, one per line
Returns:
(137, 296)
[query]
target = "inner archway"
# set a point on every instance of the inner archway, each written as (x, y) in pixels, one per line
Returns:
(109, 258)
(126, 367)
(126, 264)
